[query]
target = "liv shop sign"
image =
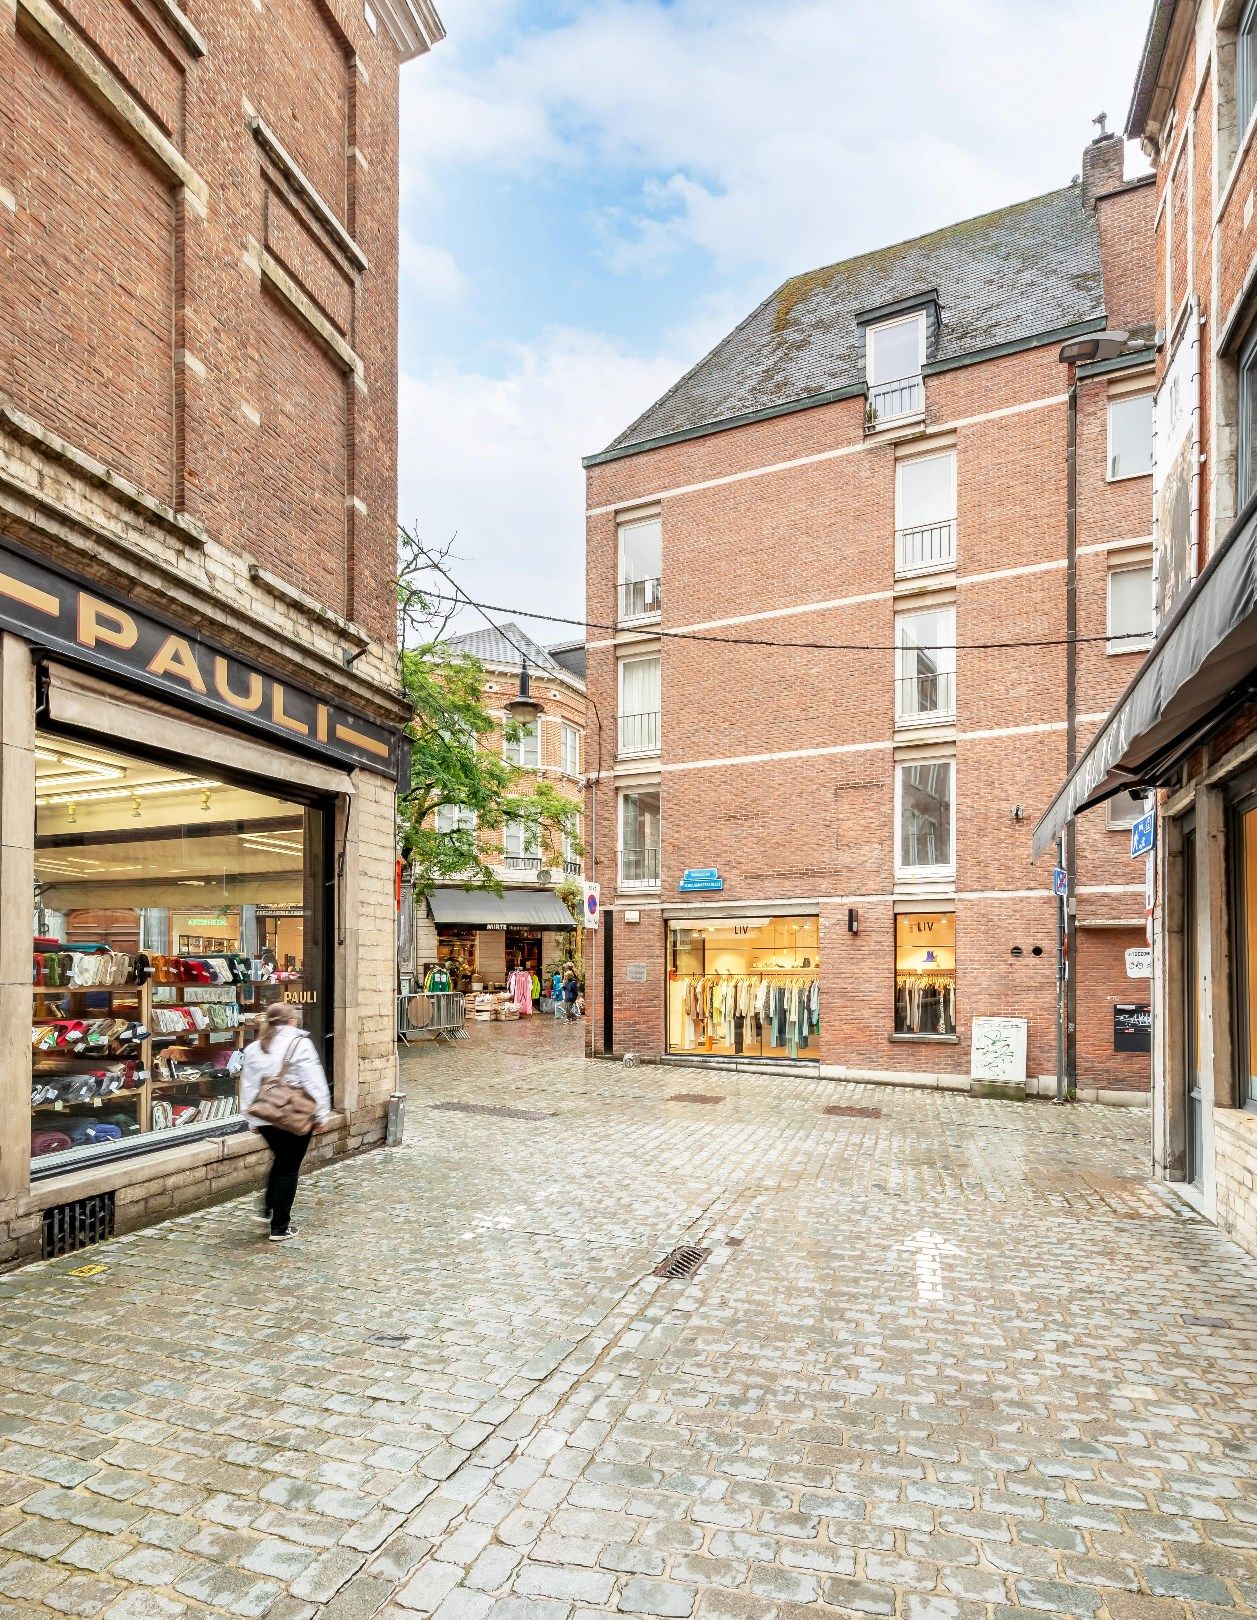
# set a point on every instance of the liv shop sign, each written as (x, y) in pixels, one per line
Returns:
(70, 617)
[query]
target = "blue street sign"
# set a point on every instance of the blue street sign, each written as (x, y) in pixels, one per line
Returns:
(1060, 881)
(701, 879)
(1143, 835)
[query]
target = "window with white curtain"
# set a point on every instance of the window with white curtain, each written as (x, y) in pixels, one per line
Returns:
(571, 750)
(520, 841)
(925, 688)
(455, 818)
(1130, 436)
(525, 749)
(641, 567)
(1131, 610)
(639, 705)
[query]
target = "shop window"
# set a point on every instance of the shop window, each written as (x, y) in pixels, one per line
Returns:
(925, 816)
(521, 844)
(641, 568)
(1124, 809)
(524, 748)
(455, 818)
(1130, 436)
(1246, 956)
(639, 839)
(745, 986)
(925, 973)
(1131, 609)
(171, 906)
(571, 750)
(639, 705)
(925, 686)
(925, 513)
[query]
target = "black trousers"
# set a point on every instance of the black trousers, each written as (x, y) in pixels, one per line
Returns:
(287, 1152)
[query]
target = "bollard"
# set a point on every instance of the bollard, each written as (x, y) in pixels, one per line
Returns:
(396, 1119)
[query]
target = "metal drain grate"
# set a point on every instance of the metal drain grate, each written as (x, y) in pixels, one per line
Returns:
(71, 1227)
(842, 1111)
(695, 1097)
(495, 1111)
(681, 1264)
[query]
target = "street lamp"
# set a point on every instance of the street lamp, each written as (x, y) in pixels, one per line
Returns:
(524, 709)
(1082, 351)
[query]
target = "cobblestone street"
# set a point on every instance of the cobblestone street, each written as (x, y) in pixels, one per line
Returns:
(945, 1360)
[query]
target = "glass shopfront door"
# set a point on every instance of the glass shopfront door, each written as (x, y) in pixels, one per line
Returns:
(1193, 1109)
(745, 987)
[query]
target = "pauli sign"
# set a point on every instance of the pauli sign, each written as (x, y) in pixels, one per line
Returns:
(69, 616)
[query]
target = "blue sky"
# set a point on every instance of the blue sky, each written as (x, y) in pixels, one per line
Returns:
(595, 191)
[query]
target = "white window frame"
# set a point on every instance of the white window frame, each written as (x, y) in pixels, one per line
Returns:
(902, 571)
(457, 818)
(1128, 644)
(942, 717)
(654, 611)
(625, 794)
(1121, 478)
(569, 743)
(516, 758)
(940, 870)
(525, 836)
(870, 355)
(637, 753)
(572, 836)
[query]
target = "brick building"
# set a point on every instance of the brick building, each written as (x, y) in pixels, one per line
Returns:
(879, 458)
(481, 935)
(1187, 725)
(199, 709)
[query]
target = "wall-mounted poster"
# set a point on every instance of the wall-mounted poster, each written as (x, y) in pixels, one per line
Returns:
(1175, 443)
(999, 1049)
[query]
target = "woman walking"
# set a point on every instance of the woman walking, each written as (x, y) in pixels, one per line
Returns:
(283, 1053)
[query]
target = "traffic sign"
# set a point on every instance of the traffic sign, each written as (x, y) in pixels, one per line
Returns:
(591, 904)
(1143, 835)
(1060, 881)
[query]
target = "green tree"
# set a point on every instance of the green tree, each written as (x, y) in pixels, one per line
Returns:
(450, 764)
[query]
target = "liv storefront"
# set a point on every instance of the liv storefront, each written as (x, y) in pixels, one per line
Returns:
(189, 834)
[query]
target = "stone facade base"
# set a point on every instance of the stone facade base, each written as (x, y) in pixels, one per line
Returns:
(1235, 1142)
(171, 1181)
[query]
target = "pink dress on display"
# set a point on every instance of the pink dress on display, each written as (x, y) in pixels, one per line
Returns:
(521, 989)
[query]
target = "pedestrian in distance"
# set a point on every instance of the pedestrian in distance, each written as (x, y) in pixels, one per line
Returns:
(571, 990)
(556, 994)
(284, 1097)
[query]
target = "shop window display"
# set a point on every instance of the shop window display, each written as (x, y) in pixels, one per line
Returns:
(745, 987)
(170, 908)
(925, 973)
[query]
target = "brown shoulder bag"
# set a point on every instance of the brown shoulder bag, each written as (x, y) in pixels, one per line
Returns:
(280, 1103)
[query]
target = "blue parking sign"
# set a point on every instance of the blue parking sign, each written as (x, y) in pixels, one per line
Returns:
(1060, 880)
(1143, 835)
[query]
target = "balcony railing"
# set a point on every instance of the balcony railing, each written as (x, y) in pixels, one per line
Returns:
(888, 401)
(521, 863)
(639, 868)
(926, 698)
(640, 598)
(639, 733)
(572, 868)
(925, 548)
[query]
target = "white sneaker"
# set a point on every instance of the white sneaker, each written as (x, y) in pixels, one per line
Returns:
(285, 1237)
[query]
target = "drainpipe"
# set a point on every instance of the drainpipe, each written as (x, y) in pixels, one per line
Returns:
(1067, 1070)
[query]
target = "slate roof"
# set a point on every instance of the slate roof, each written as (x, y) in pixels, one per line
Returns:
(571, 654)
(503, 647)
(1006, 276)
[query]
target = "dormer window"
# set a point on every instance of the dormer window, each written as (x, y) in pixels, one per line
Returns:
(894, 357)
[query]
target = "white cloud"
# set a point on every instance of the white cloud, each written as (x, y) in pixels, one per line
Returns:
(433, 273)
(783, 135)
(496, 458)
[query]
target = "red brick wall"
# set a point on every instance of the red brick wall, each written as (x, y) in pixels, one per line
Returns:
(820, 828)
(1126, 256)
(113, 276)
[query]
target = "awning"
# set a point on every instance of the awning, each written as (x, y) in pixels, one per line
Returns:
(1200, 668)
(515, 908)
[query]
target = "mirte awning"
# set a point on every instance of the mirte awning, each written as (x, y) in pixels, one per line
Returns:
(515, 908)
(1200, 668)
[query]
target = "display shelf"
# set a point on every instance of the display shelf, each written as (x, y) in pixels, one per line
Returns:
(133, 1094)
(139, 1053)
(135, 990)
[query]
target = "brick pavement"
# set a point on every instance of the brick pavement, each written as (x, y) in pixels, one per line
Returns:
(953, 1362)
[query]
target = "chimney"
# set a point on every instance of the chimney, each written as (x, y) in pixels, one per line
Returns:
(1103, 167)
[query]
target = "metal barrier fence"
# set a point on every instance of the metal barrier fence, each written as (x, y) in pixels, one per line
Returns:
(431, 1016)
